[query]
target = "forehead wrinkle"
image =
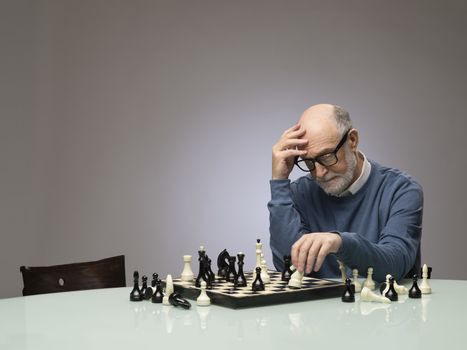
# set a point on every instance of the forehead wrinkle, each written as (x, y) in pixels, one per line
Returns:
(320, 147)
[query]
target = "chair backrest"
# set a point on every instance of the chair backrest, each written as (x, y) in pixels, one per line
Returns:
(105, 273)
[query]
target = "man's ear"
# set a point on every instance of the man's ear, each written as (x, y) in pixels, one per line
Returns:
(353, 139)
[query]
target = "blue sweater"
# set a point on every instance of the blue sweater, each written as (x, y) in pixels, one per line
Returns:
(380, 225)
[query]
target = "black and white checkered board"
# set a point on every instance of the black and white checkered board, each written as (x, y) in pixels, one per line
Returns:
(277, 292)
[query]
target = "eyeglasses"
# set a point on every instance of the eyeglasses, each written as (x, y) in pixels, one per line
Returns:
(327, 159)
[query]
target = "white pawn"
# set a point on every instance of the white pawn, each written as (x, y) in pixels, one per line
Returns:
(169, 289)
(368, 295)
(355, 282)
(424, 286)
(296, 279)
(187, 273)
(369, 283)
(203, 298)
(264, 272)
(386, 288)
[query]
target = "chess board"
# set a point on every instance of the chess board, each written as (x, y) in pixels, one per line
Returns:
(277, 292)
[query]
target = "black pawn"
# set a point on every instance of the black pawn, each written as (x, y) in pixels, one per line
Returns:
(287, 272)
(240, 281)
(348, 296)
(257, 284)
(231, 274)
(391, 294)
(135, 294)
(414, 291)
(144, 286)
(158, 294)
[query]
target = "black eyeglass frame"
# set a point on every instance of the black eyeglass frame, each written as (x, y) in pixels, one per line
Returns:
(320, 158)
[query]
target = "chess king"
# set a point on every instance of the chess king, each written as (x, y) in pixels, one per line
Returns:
(345, 207)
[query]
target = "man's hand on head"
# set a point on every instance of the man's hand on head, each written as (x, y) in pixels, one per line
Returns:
(309, 251)
(289, 146)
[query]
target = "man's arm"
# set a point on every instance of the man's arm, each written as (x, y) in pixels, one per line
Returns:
(399, 241)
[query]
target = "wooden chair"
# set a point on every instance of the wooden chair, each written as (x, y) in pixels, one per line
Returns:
(105, 273)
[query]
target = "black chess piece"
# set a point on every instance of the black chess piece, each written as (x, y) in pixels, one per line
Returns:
(135, 294)
(222, 263)
(257, 284)
(231, 274)
(391, 294)
(144, 285)
(210, 273)
(177, 300)
(348, 296)
(382, 287)
(414, 291)
(150, 290)
(158, 294)
(287, 272)
(202, 268)
(240, 280)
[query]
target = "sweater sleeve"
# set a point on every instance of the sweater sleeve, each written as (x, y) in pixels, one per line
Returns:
(285, 224)
(398, 246)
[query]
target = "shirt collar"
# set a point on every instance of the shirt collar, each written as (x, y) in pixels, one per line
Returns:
(361, 180)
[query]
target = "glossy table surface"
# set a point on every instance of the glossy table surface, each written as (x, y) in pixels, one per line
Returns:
(106, 319)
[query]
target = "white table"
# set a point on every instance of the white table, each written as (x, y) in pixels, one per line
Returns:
(106, 319)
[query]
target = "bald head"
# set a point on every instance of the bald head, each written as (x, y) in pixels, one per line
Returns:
(326, 118)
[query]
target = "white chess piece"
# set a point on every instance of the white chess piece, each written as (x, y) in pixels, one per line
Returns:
(296, 279)
(169, 289)
(367, 295)
(203, 298)
(355, 282)
(369, 283)
(342, 269)
(424, 286)
(187, 273)
(400, 289)
(259, 250)
(386, 288)
(264, 272)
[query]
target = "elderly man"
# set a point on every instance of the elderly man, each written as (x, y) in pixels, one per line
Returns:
(346, 207)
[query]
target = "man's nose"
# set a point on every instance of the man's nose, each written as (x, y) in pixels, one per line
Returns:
(320, 170)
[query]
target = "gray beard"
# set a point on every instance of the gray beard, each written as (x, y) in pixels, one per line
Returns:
(340, 182)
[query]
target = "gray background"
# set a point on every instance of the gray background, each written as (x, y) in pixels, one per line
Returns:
(145, 128)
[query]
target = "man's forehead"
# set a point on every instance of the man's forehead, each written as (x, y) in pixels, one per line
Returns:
(320, 143)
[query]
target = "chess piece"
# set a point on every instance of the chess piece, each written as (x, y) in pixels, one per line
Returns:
(240, 280)
(424, 286)
(158, 295)
(176, 299)
(355, 282)
(135, 294)
(391, 293)
(231, 273)
(210, 274)
(150, 290)
(296, 280)
(342, 269)
(367, 295)
(414, 291)
(348, 296)
(369, 283)
(187, 274)
(223, 263)
(169, 289)
(203, 298)
(287, 272)
(259, 250)
(400, 289)
(144, 286)
(202, 267)
(383, 288)
(264, 272)
(257, 284)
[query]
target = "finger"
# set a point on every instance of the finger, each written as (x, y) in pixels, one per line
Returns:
(323, 252)
(303, 254)
(312, 253)
(291, 129)
(292, 143)
(295, 251)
